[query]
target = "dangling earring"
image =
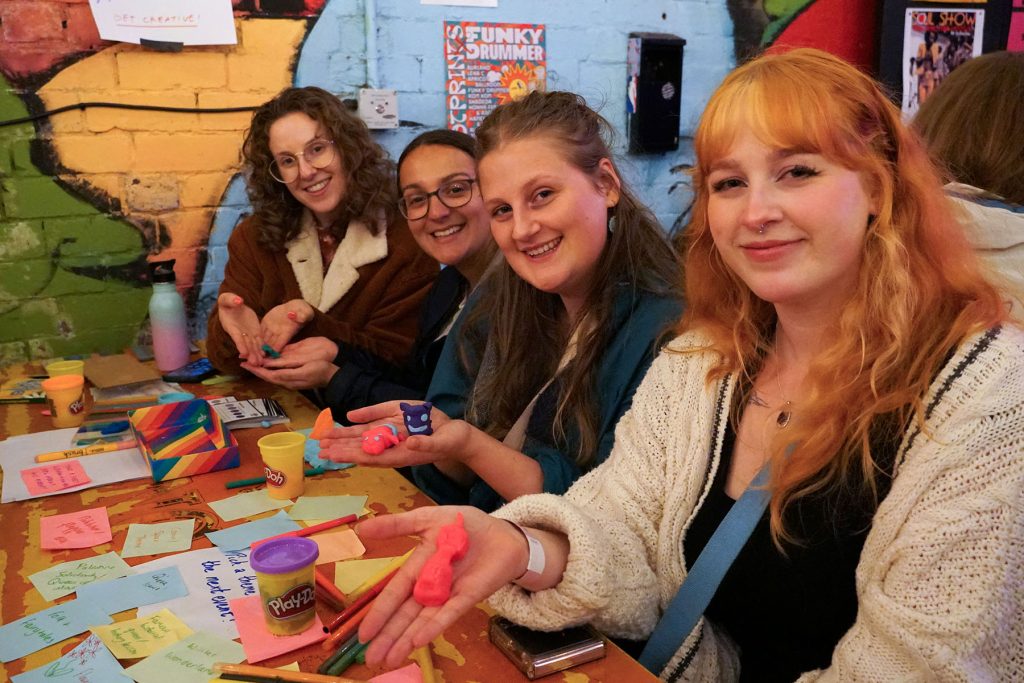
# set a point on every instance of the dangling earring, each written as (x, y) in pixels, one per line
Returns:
(613, 222)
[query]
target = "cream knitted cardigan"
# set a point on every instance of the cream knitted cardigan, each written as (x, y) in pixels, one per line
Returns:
(940, 582)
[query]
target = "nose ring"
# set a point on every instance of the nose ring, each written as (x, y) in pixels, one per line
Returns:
(760, 228)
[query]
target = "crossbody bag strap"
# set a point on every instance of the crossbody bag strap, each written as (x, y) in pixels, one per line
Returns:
(706, 575)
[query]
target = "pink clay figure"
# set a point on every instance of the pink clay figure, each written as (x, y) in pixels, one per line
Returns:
(378, 439)
(434, 584)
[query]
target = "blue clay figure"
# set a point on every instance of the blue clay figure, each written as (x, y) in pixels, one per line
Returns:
(417, 418)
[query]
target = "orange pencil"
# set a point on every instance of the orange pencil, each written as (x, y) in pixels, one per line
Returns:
(329, 600)
(348, 629)
(328, 587)
(360, 602)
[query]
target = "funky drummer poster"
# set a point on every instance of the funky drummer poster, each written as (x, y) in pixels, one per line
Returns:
(488, 64)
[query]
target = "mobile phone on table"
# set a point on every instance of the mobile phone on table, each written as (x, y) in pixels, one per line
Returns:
(539, 653)
(193, 372)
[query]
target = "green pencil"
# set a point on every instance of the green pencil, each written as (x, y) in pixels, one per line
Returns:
(345, 648)
(239, 483)
(346, 660)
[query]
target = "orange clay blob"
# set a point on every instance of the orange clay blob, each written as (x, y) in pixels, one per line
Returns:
(323, 425)
(434, 584)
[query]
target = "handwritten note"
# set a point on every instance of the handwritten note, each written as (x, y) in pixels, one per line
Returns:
(36, 631)
(157, 539)
(65, 578)
(259, 643)
(242, 535)
(60, 475)
(247, 505)
(326, 507)
(192, 22)
(338, 545)
(150, 588)
(82, 529)
(142, 637)
(190, 660)
(90, 661)
(213, 577)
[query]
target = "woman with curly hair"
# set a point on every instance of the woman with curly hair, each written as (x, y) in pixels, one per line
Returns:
(844, 371)
(325, 253)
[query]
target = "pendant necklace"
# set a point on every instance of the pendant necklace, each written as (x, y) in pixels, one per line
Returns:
(786, 411)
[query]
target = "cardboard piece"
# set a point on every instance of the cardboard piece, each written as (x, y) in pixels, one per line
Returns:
(112, 371)
(183, 439)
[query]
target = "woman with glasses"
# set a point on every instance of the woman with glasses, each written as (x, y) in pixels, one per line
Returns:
(546, 358)
(441, 201)
(324, 253)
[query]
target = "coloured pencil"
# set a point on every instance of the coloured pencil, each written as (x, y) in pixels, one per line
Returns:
(421, 656)
(268, 674)
(360, 602)
(95, 449)
(349, 628)
(328, 599)
(345, 661)
(325, 584)
(253, 481)
(339, 653)
(376, 578)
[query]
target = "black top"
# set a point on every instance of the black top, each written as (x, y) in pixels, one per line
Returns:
(364, 379)
(786, 613)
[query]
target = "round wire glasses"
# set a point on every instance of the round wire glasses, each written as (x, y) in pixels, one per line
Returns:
(317, 153)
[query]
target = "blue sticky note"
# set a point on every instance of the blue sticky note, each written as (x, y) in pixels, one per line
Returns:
(90, 661)
(241, 536)
(39, 630)
(150, 588)
(312, 454)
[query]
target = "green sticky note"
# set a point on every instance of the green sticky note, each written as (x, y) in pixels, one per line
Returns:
(190, 660)
(157, 539)
(65, 578)
(326, 507)
(247, 505)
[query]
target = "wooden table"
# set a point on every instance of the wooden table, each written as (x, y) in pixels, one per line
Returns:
(462, 653)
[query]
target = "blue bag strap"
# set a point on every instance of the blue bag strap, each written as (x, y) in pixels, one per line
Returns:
(707, 573)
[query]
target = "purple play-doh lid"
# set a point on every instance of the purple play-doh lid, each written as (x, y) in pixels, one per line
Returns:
(283, 555)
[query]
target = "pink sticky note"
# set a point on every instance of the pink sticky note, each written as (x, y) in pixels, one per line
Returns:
(259, 643)
(407, 674)
(82, 529)
(338, 545)
(55, 477)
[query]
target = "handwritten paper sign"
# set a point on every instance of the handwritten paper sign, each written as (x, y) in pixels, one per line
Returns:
(191, 22)
(65, 578)
(326, 507)
(56, 477)
(36, 631)
(157, 539)
(152, 587)
(213, 577)
(247, 505)
(259, 643)
(82, 529)
(242, 535)
(189, 660)
(142, 637)
(90, 661)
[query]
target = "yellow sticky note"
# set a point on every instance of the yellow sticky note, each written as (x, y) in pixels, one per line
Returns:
(142, 637)
(350, 575)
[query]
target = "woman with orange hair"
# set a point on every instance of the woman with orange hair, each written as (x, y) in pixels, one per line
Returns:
(841, 344)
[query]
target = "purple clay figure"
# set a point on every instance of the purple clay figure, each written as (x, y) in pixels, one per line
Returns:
(417, 418)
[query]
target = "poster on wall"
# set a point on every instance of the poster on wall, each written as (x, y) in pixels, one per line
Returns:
(488, 64)
(935, 42)
(1015, 38)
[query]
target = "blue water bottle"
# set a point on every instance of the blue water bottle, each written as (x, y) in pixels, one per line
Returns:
(167, 317)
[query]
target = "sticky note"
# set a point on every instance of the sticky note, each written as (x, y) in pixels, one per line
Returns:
(338, 545)
(36, 631)
(142, 637)
(61, 475)
(65, 578)
(326, 507)
(351, 574)
(410, 673)
(259, 643)
(81, 529)
(149, 588)
(242, 535)
(89, 661)
(190, 660)
(247, 505)
(159, 538)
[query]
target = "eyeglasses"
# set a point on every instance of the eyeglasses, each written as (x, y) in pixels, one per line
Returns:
(453, 194)
(318, 154)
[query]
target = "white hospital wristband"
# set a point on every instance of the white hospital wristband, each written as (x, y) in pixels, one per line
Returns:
(535, 564)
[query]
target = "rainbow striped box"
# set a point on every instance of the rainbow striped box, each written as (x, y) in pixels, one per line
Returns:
(183, 439)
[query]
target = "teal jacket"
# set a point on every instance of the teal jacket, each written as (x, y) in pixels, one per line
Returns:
(639, 320)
